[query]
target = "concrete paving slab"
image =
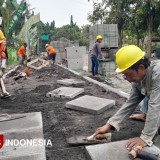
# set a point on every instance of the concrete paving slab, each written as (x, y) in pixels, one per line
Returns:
(69, 82)
(90, 104)
(23, 153)
(27, 128)
(31, 121)
(113, 151)
(65, 92)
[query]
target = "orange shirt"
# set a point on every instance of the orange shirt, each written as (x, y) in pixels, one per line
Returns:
(22, 51)
(50, 50)
(3, 48)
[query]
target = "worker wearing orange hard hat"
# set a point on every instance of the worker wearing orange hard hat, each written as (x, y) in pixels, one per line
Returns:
(145, 79)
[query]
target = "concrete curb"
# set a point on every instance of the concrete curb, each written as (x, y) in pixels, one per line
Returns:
(105, 86)
(10, 72)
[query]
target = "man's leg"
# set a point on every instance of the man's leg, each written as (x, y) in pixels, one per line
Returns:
(53, 58)
(50, 56)
(3, 66)
(96, 66)
(20, 60)
(144, 109)
(93, 66)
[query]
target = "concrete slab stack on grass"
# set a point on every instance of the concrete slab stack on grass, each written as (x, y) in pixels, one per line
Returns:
(69, 82)
(65, 92)
(18, 131)
(90, 104)
(113, 151)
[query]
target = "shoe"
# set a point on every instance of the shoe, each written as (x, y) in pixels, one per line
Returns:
(5, 95)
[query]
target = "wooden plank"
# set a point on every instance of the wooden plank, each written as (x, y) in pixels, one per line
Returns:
(44, 63)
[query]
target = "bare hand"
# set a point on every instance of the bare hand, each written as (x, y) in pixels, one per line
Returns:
(137, 141)
(104, 129)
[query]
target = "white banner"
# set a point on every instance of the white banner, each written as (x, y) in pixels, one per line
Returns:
(32, 20)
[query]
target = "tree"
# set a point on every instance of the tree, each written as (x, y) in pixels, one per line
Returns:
(97, 15)
(151, 8)
(71, 21)
(111, 11)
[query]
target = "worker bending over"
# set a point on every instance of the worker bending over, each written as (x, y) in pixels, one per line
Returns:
(51, 53)
(145, 78)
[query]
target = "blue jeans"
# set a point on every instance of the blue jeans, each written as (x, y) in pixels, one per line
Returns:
(144, 105)
(95, 65)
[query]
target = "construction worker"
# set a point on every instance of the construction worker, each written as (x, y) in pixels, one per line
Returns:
(22, 56)
(95, 53)
(3, 50)
(51, 53)
(145, 78)
(3, 57)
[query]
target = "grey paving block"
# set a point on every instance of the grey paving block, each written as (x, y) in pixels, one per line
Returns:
(31, 121)
(69, 82)
(23, 153)
(65, 92)
(26, 128)
(90, 104)
(113, 151)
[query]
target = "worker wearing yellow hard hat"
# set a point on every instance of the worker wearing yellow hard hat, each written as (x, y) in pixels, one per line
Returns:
(145, 78)
(1, 36)
(3, 59)
(128, 56)
(99, 37)
(95, 53)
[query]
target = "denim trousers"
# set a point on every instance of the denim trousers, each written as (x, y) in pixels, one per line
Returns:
(144, 105)
(95, 65)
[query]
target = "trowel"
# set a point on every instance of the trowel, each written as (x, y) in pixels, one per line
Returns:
(84, 140)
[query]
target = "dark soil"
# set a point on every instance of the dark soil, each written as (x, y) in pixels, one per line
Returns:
(59, 123)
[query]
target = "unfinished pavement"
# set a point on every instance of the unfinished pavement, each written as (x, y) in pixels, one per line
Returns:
(60, 123)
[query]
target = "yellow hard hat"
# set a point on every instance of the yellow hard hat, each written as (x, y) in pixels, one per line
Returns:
(127, 56)
(46, 45)
(98, 37)
(1, 36)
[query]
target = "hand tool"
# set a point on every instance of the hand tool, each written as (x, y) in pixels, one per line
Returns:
(83, 140)
(137, 152)
(7, 117)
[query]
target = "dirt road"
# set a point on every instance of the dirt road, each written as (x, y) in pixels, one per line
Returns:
(58, 122)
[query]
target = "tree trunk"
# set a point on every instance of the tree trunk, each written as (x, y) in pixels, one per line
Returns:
(120, 32)
(149, 42)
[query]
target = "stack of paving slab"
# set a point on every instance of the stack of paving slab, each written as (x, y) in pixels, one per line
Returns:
(75, 57)
(109, 32)
(29, 126)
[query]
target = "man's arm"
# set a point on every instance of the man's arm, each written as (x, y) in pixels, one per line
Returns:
(127, 109)
(98, 48)
(153, 115)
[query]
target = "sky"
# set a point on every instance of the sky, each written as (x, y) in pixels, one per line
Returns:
(61, 10)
